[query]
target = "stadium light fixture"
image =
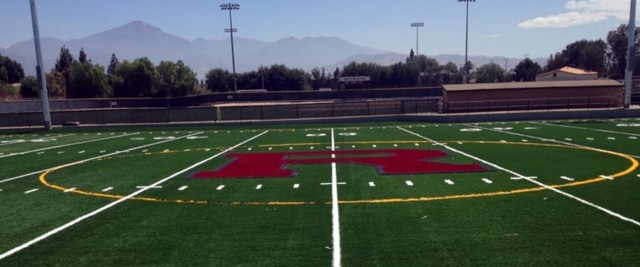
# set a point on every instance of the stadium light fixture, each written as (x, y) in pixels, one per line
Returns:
(417, 25)
(631, 56)
(231, 30)
(42, 82)
(466, 43)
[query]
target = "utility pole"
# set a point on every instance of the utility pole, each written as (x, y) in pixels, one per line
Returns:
(42, 82)
(417, 25)
(466, 43)
(232, 6)
(631, 56)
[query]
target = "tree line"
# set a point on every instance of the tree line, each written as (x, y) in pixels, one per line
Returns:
(80, 78)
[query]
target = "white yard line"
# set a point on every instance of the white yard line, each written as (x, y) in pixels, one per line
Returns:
(335, 213)
(97, 157)
(609, 212)
(65, 145)
(112, 204)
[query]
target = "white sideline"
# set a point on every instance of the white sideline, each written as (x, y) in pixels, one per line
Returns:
(609, 212)
(65, 145)
(587, 129)
(55, 136)
(112, 204)
(548, 140)
(335, 213)
(97, 157)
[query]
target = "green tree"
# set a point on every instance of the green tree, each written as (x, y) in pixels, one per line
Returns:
(526, 71)
(490, 73)
(403, 74)
(56, 83)
(167, 75)
(87, 81)
(219, 80)
(583, 54)
(617, 41)
(430, 70)
(29, 87)
(451, 74)
(64, 61)
(83, 56)
(175, 79)
(10, 70)
(185, 80)
(135, 79)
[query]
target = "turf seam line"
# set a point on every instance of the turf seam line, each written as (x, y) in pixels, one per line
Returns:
(609, 212)
(112, 204)
(66, 145)
(335, 212)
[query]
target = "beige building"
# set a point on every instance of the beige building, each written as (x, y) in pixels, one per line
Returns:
(567, 74)
(479, 97)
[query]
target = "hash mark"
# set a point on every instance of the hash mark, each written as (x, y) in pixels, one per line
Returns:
(31, 191)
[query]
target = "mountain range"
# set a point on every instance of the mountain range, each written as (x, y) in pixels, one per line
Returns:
(139, 39)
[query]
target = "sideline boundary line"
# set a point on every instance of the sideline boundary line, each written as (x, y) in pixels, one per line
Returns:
(335, 212)
(66, 145)
(583, 128)
(56, 136)
(609, 212)
(549, 140)
(112, 204)
(94, 158)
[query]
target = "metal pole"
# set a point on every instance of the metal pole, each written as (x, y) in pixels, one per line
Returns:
(417, 25)
(42, 82)
(417, 43)
(466, 47)
(628, 74)
(233, 57)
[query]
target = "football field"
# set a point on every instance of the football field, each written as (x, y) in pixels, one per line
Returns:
(564, 193)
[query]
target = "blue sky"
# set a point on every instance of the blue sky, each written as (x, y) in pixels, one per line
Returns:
(510, 28)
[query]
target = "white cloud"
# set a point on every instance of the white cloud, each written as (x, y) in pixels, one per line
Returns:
(581, 12)
(495, 35)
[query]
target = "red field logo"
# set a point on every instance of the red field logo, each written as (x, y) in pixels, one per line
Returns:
(386, 162)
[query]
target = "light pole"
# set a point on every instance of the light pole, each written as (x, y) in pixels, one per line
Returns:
(42, 82)
(466, 43)
(417, 25)
(631, 55)
(232, 6)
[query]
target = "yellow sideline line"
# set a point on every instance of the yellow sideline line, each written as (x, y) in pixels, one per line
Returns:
(634, 166)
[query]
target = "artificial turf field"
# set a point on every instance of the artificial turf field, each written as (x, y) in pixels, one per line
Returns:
(563, 193)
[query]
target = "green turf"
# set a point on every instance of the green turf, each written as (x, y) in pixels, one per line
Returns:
(508, 221)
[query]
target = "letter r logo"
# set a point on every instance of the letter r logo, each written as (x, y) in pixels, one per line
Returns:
(386, 162)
